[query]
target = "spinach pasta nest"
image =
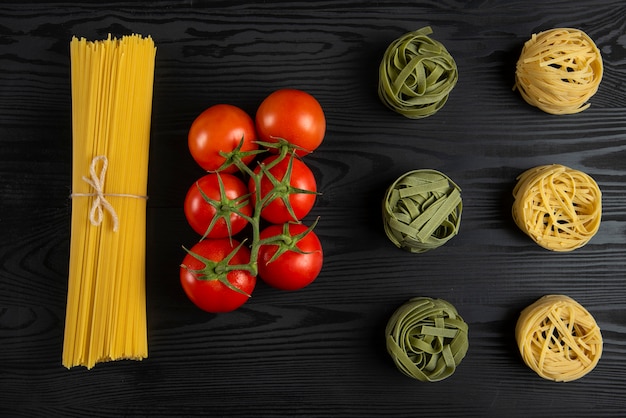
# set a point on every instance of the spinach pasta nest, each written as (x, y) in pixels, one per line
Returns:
(422, 210)
(559, 70)
(416, 75)
(427, 339)
(558, 207)
(558, 338)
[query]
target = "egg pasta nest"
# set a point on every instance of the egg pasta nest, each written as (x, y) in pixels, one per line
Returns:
(558, 207)
(558, 338)
(559, 70)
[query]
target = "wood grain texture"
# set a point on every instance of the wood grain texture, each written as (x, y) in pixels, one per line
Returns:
(319, 351)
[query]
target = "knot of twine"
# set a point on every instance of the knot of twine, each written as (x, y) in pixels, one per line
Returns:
(422, 210)
(559, 70)
(427, 339)
(558, 207)
(416, 75)
(558, 338)
(100, 203)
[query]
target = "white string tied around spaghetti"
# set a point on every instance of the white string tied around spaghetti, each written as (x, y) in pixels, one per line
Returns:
(100, 203)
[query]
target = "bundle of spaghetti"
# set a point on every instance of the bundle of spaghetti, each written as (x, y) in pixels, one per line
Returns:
(427, 339)
(416, 75)
(558, 338)
(112, 82)
(422, 210)
(559, 70)
(558, 207)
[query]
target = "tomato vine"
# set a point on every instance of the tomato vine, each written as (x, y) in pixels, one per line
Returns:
(282, 190)
(266, 200)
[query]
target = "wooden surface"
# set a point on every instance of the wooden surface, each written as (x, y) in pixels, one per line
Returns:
(319, 351)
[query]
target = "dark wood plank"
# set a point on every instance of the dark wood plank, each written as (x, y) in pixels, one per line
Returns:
(319, 351)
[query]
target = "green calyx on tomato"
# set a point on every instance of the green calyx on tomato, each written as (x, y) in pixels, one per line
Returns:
(285, 188)
(285, 242)
(227, 213)
(282, 146)
(290, 256)
(237, 157)
(216, 270)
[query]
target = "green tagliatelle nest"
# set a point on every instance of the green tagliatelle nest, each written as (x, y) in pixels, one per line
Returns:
(422, 210)
(416, 75)
(427, 339)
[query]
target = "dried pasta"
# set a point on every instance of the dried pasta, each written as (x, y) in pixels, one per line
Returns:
(558, 207)
(427, 339)
(416, 75)
(558, 338)
(559, 70)
(112, 83)
(422, 210)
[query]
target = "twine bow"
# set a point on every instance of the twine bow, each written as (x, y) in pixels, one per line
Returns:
(100, 203)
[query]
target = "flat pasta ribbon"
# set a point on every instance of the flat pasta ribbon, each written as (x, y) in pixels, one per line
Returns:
(558, 338)
(558, 207)
(416, 75)
(427, 339)
(559, 70)
(422, 210)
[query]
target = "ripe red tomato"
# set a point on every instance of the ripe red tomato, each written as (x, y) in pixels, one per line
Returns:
(221, 128)
(212, 291)
(293, 115)
(301, 177)
(295, 268)
(230, 200)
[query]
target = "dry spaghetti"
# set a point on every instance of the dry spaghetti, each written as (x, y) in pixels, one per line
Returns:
(558, 338)
(416, 75)
(558, 207)
(559, 70)
(112, 83)
(427, 339)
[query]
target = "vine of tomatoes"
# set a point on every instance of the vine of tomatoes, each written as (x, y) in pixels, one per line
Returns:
(249, 206)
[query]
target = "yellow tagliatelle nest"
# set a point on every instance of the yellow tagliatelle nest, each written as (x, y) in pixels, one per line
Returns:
(558, 338)
(416, 75)
(558, 207)
(427, 339)
(422, 210)
(559, 70)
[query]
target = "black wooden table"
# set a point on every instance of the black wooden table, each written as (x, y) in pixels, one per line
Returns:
(319, 351)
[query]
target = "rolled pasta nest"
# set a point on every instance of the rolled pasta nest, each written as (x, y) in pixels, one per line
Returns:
(558, 207)
(559, 70)
(422, 210)
(558, 338)
(416, 75)
(427, 339)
